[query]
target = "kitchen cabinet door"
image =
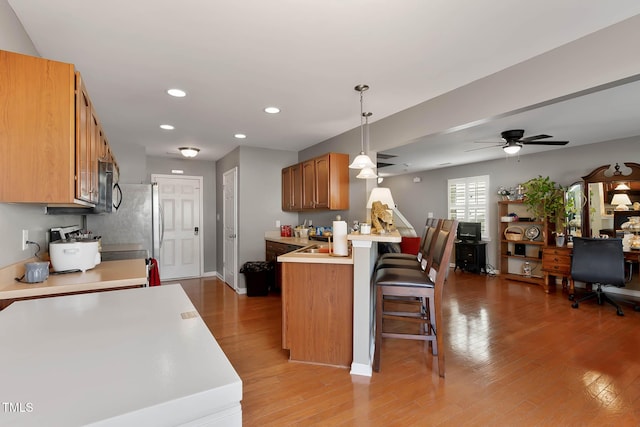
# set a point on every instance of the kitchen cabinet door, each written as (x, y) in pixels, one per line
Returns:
(292, 188)
(37, 154)
(83, 142)
(308, 184)
(321, 183)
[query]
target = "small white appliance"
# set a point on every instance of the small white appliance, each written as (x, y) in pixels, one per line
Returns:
(73, 254)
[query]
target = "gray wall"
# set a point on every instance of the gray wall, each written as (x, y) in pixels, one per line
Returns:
(594, 60)
(14, 218)
(132, 162)
(259, 199)
(565, 166)
(207, 170)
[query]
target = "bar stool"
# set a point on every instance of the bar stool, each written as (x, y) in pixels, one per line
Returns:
(413, 261)
(426, 285)
(430, 223)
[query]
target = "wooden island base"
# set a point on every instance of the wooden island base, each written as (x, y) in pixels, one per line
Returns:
(317, 312)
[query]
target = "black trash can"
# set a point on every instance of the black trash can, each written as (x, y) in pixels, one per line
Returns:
(258, 277)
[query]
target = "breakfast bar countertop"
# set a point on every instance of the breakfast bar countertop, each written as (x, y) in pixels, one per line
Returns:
(106, 275)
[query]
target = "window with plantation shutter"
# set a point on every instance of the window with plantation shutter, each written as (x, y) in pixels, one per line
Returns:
(469, 201)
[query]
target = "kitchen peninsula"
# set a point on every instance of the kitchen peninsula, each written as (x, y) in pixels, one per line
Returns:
(339, 281)
(106, 275)
(317, 306)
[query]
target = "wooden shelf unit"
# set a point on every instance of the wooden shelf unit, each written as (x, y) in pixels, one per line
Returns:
(510, 263)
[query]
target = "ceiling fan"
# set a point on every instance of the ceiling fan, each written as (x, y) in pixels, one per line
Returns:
(512, 141)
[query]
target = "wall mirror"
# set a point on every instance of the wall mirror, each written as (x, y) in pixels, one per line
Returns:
(610, 193)
(574, 203)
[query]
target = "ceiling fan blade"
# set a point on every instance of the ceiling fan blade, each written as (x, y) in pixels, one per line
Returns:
(534, 137)
(545, 142)
(482, 148)
(493, 141)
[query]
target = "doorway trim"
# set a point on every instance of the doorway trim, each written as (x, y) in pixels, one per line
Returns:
(234, 173)
(154, 178)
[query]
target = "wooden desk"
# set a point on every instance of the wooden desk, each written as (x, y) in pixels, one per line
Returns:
(556, 262)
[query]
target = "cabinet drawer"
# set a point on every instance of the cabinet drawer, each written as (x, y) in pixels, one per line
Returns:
(557, 251)
(556, 263)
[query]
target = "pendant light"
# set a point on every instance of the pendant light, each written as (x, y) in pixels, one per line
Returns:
(362, 160)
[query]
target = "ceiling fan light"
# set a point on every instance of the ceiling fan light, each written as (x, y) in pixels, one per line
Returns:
(189, 151)
(512, 148)
(362, 161)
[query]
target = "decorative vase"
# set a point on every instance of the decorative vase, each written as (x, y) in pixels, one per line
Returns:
(559, 240)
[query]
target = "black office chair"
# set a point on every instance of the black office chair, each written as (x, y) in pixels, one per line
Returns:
(600, 262)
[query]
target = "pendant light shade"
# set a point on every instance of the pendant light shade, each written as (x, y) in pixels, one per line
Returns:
(366, 173)
(363, 161)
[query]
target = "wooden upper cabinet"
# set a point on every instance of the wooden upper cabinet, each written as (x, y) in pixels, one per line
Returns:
(49, 133)
(324, 183)
(37, 130)
(292, 188)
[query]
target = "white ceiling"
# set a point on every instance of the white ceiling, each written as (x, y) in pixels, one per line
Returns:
(235, 57)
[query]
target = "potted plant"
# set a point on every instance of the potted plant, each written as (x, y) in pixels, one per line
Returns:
(545, 200)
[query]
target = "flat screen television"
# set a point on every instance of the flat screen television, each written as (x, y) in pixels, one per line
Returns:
(469, 231)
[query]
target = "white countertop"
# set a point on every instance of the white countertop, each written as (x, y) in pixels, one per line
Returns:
(391, 237)
(131, 357)
(107, 274)
(315, 258)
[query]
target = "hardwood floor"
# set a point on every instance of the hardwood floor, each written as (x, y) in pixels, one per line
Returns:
(515, 357)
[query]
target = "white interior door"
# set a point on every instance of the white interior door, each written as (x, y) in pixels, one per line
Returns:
(181, 246)
(230, 225)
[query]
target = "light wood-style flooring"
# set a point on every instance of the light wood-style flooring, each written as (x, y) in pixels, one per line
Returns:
(515, 357)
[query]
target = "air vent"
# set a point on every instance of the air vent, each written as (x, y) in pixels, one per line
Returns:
(383, 165)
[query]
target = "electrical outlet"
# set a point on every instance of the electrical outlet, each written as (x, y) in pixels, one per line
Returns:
(25, 237)
(277, 223)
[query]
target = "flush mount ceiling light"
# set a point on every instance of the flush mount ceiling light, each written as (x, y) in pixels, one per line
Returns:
(512, 147)
(178, 93)
(189, 151)
(362, 161)
(167, 127)
(240, 136)
(272, 110)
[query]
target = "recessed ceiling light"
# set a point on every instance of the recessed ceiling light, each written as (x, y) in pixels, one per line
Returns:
(240, 135)
(272, 110)
(178, 93)
(167, 127)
